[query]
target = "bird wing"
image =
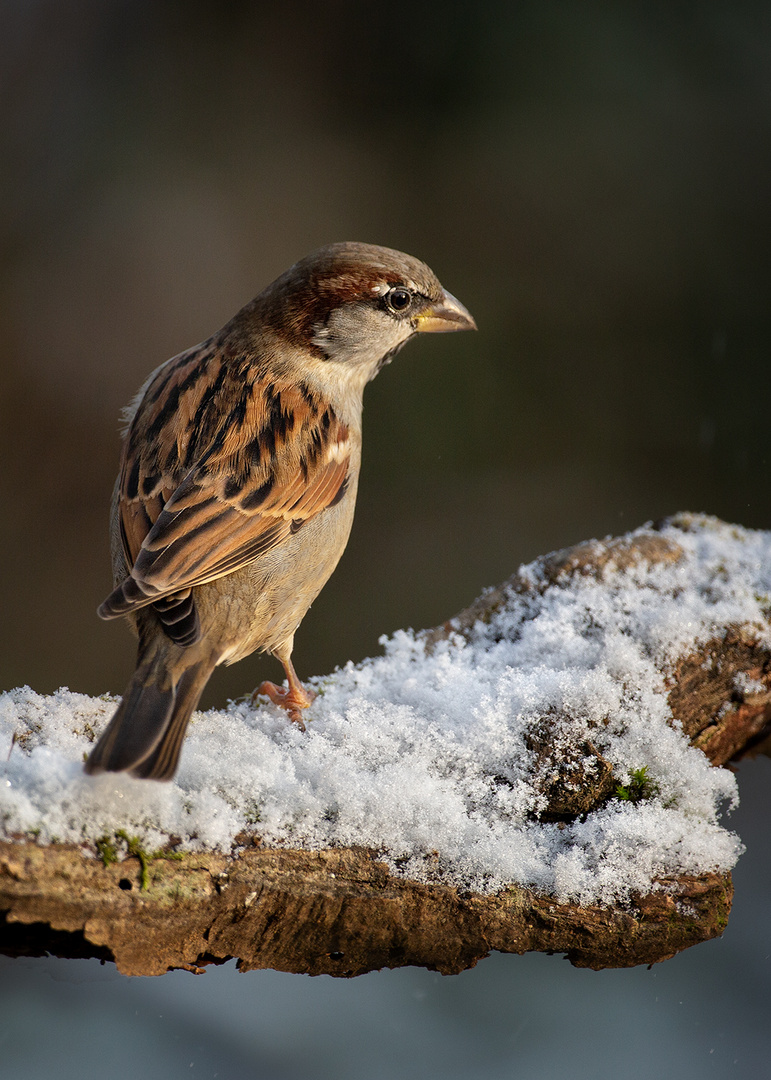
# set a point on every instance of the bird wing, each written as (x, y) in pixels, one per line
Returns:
(221, 465)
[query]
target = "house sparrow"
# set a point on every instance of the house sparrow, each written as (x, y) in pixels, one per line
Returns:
(238, 480)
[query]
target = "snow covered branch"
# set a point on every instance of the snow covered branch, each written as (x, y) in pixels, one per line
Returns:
(538, 773)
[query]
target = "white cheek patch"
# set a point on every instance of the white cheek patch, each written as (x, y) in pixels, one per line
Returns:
(359, 335)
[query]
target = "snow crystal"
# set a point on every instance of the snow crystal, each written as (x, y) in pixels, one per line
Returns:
(423, 755)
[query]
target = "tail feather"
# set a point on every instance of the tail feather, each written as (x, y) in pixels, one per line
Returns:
(177, 612)
(146, 733)
(161, 763)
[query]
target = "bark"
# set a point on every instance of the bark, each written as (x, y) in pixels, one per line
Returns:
(331, 912)
(341, 912)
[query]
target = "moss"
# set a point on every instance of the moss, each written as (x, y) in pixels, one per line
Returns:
(253, 813)
(107, 848)
(639, 787)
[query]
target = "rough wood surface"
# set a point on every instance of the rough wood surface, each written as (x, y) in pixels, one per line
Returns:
(341, 912)
(330, 912)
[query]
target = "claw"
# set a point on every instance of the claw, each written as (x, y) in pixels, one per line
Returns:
(287, 699)
(293, 698)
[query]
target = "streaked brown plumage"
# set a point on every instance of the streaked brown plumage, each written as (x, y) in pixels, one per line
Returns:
(238, 481)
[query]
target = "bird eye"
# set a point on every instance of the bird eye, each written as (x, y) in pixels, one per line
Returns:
(398, 299)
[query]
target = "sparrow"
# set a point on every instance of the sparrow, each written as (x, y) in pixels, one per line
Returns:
(237, 484)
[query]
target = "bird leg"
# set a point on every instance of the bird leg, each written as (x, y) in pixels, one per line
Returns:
(294, 697)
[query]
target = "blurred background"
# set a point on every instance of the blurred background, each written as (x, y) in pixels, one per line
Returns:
(592, 180)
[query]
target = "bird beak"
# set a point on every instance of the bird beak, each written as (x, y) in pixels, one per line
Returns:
(444, 315)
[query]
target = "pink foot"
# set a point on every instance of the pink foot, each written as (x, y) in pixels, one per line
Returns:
(293, 699)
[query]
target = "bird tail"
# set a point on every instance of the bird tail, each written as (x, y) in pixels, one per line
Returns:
(146, 733)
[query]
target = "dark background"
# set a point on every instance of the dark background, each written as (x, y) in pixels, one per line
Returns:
(592, 179)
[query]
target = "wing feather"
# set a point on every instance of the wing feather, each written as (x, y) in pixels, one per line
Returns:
(220, 466)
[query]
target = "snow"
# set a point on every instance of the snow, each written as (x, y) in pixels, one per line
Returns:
(422, 754)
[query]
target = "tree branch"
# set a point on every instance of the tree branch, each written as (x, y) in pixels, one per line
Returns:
(341, 912)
